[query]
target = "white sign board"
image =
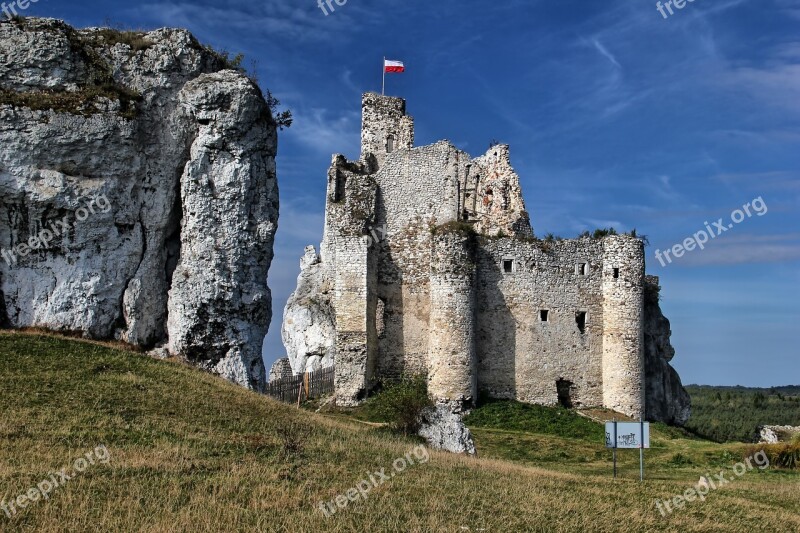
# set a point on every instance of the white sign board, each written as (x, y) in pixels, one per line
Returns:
(629, 434)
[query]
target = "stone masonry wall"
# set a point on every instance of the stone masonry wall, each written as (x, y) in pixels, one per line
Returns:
(351, 264)
(521, 354)
(416, 191)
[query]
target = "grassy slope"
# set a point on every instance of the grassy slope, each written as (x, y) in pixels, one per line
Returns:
(190, 452)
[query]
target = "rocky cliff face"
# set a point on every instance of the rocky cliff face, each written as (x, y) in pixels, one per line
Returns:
(138, 195)
(309, 321)
(666, 400)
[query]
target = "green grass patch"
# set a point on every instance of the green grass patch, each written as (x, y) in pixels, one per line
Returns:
(513, 415)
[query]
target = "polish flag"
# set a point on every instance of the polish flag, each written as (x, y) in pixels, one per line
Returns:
(393, 66)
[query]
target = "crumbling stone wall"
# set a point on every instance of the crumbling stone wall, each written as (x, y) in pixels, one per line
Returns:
(455, 285)
(386, 126)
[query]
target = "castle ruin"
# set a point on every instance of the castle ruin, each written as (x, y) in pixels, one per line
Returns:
(429, 264)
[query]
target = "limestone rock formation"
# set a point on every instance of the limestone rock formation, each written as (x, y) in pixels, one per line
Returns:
(137, 192)
(309, 330)
(777, 434)
(666, 399)
(444, 429)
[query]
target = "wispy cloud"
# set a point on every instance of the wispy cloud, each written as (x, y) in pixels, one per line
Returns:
(326, 131)
(270, 19)
(744, 249)
(608, 55)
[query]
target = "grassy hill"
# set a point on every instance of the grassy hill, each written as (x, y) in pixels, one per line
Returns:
(189, 452)
(726, 414)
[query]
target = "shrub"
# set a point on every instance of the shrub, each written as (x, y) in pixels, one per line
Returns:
(456, 226)
(400, 404)
(782, 455)
(600, 233)
(679, 460)
(293, 436)
(80, 102)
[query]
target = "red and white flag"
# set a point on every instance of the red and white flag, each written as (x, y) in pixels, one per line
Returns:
(393, 66)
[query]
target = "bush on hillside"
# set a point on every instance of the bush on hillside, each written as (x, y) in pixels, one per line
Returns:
(783, 455)
(400, 404)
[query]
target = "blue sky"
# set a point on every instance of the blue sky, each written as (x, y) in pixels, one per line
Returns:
(615, 117)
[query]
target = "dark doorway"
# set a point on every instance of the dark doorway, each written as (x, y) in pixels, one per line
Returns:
(580, 319)
(564, 388)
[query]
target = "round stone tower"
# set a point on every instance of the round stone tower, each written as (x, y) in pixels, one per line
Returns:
(623, 314)
(451, 353)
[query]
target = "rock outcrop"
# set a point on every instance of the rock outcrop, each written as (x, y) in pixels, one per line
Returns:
(443, 429)
(138, 193)
(666, 399)
(777, 434)
(309, 323)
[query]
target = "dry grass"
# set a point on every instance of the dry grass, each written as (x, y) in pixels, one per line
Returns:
(190, 452)
(81, 102)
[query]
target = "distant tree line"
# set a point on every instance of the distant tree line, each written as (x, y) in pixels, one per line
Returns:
(726, 414)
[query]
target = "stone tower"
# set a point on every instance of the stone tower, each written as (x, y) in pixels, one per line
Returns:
(385, 126)
(623, 316)
(451, 356)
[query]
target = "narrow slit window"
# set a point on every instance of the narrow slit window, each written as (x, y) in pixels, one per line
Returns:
(390, 144)
(616, 273)
(508, 266)
(544, 315)
(580, 319)
(583, 269)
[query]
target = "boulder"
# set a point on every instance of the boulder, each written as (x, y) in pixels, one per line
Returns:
(443, 429)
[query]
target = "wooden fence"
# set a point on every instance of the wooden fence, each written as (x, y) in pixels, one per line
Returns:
(302, 387)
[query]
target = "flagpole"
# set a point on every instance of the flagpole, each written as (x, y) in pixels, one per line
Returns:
(383, 86)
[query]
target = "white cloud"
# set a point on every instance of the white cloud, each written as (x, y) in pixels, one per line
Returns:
(743, 249)
(327, 132)
(608, 55)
